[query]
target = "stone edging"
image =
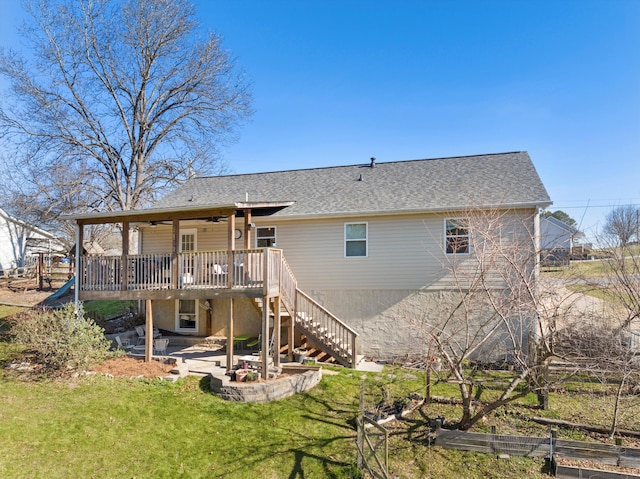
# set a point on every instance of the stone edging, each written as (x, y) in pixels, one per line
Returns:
(298, 380)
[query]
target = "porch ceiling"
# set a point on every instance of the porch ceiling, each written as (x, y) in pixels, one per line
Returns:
(182, 213)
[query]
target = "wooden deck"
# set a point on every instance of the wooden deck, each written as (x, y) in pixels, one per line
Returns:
(254, 273)
(199, 275)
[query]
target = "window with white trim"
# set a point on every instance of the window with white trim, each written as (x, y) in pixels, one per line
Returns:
(355, 240)
(456, 233)
(265, 236)
(188, 238)
(187, 315)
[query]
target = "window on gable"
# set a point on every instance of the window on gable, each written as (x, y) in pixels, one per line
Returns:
(265, 236)
(355, 240)
(457, 236)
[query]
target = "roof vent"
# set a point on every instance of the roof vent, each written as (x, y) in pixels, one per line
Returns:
(360, 179)
(373, 162)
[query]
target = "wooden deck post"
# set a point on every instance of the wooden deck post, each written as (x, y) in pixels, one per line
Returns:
(276, 331)
(265, 337)
(229, 334)
(78, 259)
(125, 255)
(148, 346)
(231, 242)
(175, 275)
(247, 229)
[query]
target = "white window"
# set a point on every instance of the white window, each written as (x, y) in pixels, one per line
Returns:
(456, 233)
(265, 236)
(355, 240)
(188, 240)
(187, 315)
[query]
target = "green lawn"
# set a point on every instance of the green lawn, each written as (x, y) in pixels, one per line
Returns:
(99, 427)
(99, 310)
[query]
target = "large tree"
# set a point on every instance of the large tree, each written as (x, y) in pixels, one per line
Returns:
(116, 100)
(622, 223)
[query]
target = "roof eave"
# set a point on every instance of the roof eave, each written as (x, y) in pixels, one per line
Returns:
(413, 211)
(181, 212)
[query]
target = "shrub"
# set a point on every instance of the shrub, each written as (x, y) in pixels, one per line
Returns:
(61, 339)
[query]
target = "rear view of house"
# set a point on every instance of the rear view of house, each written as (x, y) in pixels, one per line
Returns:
(341, 255)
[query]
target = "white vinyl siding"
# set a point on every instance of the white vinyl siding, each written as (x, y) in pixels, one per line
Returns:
(405, 252)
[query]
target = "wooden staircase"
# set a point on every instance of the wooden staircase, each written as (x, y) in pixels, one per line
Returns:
(324, 336)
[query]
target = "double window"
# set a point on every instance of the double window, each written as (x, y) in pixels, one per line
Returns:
(355, 240)
(456, 234)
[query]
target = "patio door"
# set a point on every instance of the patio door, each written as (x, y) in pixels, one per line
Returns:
(188, 244)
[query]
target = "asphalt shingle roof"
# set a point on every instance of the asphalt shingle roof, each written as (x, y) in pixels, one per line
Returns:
(441, 184)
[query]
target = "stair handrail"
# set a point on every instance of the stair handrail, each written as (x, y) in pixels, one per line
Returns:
(288, 284)
(299, 303)
(343, 336)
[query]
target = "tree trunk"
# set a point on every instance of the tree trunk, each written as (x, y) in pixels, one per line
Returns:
(616, 408)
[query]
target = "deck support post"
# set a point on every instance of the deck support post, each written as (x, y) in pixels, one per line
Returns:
(175, 274)
(276, 331)
(78, 258)
(229, 334)
(125, 255)
(148, 337)
(291, 339)
(265, 337)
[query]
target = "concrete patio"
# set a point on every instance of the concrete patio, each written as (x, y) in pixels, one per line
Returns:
(204, 356)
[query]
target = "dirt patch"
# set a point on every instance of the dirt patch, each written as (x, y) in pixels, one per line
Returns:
(30, 297)
(127, 367)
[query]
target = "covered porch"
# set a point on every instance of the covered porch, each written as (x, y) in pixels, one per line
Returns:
(189, 274)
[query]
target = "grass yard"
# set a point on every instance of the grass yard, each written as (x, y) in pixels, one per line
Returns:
(95, 426)
(100, 310)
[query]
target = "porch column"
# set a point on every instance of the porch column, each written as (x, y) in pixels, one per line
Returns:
(125, 255)
(148, 347)
(276, 331)
(231, 243)
(265, 337)
(230, 334)
(175, 229)
(78, 258)
(247, 229)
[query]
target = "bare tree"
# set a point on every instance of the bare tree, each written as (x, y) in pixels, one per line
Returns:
(493, 310)
(603, 350)
(622, 223)
(119, 100)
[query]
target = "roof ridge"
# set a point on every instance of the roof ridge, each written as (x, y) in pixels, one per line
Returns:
(357, 165)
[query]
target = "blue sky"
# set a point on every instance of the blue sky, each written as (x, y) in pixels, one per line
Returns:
(337, 82)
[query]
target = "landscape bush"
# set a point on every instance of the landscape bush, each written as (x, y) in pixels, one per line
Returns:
(61, 339)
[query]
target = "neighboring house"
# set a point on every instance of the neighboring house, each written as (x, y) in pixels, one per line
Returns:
(21, 242)
(356, 248)
(560, 242)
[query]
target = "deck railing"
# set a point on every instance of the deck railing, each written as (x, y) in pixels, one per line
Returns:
(202, 269)
(148, 271)
(100, 273)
